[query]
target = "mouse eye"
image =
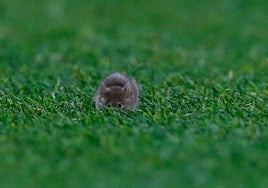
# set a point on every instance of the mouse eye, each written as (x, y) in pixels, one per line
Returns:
(120, 105)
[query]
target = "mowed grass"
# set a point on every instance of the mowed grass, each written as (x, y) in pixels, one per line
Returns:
(202, 69)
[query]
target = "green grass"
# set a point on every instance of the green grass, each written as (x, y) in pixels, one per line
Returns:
(202, 68)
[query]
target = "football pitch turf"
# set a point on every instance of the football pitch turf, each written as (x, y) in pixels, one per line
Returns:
(202, 70)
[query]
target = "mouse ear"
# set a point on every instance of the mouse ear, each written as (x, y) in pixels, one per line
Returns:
(127, 88)
(103, 88)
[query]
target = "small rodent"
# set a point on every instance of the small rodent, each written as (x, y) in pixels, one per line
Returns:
(118, 91)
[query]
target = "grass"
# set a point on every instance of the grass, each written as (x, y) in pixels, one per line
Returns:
(202, 71)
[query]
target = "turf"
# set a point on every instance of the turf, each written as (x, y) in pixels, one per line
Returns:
(202, 71)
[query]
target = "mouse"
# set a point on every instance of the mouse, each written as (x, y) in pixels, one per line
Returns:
(117, 91)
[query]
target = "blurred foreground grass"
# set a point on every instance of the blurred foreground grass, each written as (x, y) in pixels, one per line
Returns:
(202, 69)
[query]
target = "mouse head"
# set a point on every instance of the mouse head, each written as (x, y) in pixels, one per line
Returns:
(115, 96)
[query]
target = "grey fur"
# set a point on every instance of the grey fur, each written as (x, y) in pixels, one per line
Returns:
(117, 90)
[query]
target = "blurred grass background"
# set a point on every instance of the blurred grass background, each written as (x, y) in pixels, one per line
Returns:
(202, 70)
